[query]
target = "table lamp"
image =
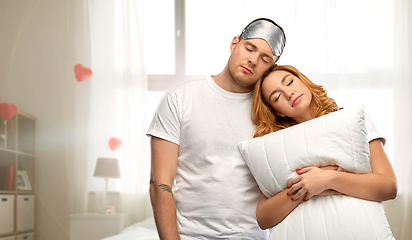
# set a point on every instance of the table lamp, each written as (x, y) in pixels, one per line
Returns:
(107, 168)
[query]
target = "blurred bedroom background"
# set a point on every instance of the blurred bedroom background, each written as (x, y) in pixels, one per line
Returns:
(360, 50)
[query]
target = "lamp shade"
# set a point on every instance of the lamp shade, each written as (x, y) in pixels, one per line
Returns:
(107, 168)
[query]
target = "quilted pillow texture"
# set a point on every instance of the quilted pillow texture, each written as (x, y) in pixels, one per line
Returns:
(338, 138)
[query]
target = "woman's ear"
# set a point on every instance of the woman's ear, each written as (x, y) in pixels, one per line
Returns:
(233, 44)
(280, 114)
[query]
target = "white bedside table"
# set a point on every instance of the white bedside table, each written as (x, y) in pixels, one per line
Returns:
(95, 226)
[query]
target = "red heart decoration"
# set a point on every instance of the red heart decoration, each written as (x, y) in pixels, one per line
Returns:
(114, 143)
(7, 111)
(82, 73)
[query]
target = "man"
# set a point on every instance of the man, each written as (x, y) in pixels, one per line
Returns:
(201, 188)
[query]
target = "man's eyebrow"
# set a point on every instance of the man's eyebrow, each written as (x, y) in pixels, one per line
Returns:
(267, 55)
(251, 44)
(254, 46)
(282, 81)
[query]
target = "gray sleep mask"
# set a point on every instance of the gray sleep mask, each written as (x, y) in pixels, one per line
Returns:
(267, 31)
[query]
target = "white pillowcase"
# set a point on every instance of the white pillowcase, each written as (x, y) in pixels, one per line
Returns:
(338, 138)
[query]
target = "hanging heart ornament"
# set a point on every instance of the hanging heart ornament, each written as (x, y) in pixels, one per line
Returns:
(82, 73)
(114, 143)
(7, 111)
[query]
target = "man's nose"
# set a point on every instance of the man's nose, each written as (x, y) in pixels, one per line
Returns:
(254, 59)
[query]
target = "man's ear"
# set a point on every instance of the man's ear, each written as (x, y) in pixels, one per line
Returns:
(233, 44)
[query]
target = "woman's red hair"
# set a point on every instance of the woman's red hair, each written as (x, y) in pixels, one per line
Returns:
(265, 118)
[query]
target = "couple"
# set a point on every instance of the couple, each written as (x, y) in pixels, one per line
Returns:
(200, 186)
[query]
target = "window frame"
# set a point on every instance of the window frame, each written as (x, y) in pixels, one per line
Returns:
(162, 82)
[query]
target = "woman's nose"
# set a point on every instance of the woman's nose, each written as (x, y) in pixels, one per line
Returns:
(288, 94)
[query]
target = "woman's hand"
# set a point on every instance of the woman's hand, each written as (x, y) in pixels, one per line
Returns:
(310, 182)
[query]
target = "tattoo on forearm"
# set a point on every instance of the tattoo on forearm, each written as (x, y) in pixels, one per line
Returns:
(165, 187)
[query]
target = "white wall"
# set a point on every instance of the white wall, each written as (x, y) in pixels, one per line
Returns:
(35, 76)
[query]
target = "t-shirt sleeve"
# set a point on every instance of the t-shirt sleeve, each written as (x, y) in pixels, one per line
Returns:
(165, 123)
(372, 131)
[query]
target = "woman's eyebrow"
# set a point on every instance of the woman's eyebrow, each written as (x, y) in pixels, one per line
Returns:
(282, 81)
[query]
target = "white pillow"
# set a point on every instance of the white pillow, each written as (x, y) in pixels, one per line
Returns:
(338, 138)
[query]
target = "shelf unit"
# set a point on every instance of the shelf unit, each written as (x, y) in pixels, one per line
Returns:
(17, 163)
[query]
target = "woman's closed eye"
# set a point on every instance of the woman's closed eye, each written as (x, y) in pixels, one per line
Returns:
(291, 81)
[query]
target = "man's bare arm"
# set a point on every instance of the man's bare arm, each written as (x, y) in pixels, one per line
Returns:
(164, 165)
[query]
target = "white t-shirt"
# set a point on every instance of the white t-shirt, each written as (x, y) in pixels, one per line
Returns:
(372, 131)
(215, 193)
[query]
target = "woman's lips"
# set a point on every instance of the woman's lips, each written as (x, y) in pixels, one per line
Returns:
(296, 100)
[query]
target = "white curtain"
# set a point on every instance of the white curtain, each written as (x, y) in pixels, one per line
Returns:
(400, 210)
(110, 104)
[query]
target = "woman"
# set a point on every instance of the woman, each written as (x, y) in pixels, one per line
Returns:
(284, 97)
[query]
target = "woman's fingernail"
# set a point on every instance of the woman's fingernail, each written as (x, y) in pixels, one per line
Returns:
(291, 199)
(304, 200)
(287, 194)
(297, 170)
(288, 186)
(336, 166)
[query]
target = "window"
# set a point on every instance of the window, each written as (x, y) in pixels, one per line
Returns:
(202, 33)
(188, 39)
(160, 27)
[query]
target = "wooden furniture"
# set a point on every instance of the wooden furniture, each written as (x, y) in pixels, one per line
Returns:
(95, 226)
(17, 176)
